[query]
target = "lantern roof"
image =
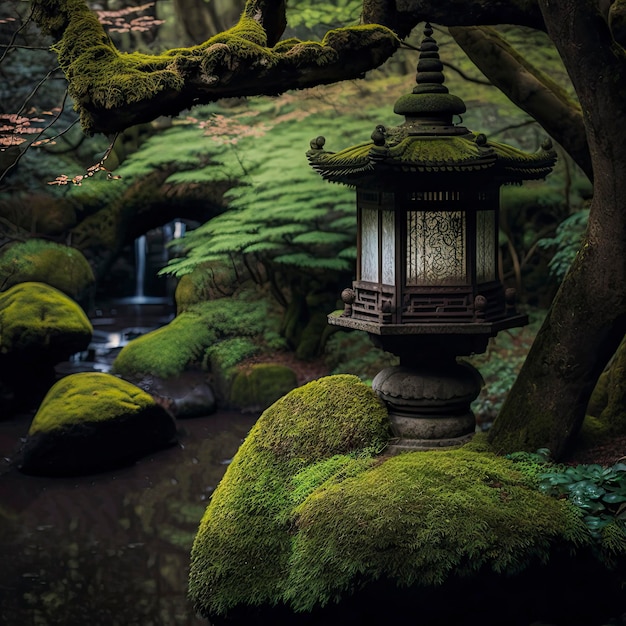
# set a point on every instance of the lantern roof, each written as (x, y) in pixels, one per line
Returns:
(428, 141)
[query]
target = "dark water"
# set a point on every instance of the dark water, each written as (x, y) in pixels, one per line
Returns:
(109, 549)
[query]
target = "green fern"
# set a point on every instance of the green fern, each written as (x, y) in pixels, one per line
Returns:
(281, 211)
(565, 242)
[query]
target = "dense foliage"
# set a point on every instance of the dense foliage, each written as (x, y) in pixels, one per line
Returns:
(600, 492)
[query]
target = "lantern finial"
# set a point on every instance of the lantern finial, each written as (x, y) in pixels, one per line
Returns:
(429, 76)
(430, 97)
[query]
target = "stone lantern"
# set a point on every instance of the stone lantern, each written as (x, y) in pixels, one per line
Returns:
(427, 282)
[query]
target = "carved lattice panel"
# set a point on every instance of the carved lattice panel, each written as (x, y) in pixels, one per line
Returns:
(436, 248)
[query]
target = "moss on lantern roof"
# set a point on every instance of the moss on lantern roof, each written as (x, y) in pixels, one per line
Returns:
(403, 151)
(427, 141)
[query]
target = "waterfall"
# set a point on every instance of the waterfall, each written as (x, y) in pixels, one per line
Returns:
(140, 267)
(179, 229)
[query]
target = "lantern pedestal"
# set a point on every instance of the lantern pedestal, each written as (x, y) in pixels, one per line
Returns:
(429, 394)
(429, 404)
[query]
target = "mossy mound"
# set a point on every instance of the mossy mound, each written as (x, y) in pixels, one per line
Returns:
(184, 342)
(167, 351)
(606, 411)
(308, 515)
(608, 401)
(37, 260)
(91, 422)
(208, 281)
(254, 388)
(41, 323)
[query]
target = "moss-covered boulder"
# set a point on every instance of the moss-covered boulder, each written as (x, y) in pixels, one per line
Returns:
(38, 260)
(166, 351)
(257, 386)
(39, 327)
(308, 515)
(200, 285)
(91, 422)
(184, 343)
(608, 400)
(39, 322)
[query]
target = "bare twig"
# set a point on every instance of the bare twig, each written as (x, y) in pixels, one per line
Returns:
(16, 33)
(8, 46)
(36, 89)
(77, 180)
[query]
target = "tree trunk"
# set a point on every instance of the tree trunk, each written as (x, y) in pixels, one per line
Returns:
(528, 87)
(587, 319)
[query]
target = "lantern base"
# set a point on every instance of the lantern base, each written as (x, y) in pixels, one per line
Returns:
(429, 403)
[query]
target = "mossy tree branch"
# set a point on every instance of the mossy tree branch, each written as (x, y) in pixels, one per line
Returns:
(113, 91)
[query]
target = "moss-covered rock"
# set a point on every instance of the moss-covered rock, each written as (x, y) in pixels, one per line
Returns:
(606, 412)
(331, 416)
(188, 339)
(255, 387)
(188, 292)
(90, 422)
(167, 351)
(39, 327)
(205, 282)
(308, 515)
(38, 322)
(37, 260)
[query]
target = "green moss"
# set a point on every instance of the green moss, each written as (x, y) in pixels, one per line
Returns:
(245, 522)
(100, 75)
(208, 281)
(606, 416)
(257, 386)
(226, 355)
(419, 518)
(191, 289)
(306, 512)
(102, 78)
(37, 260)
(184, 341)
(166, 351)
(37, 316)
(88, 397)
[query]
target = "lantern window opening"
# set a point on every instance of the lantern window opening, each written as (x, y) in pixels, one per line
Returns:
(377, 262)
